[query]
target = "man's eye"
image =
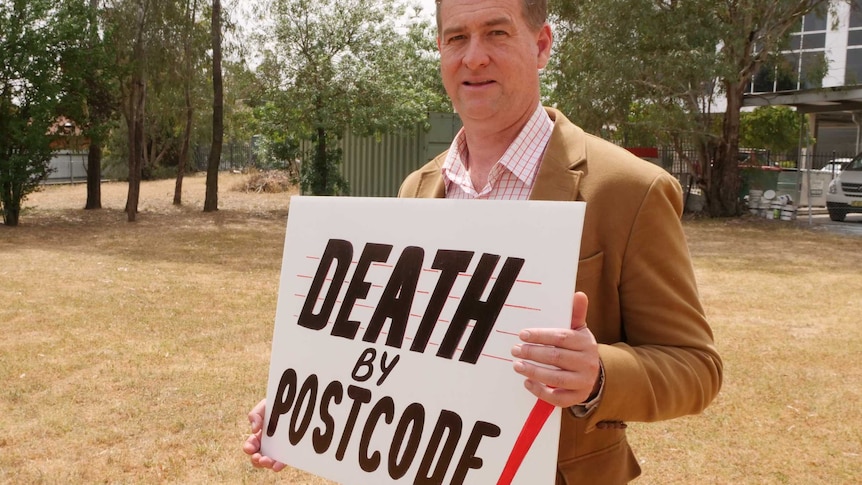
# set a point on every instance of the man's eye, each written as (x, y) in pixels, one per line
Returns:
(456, 38)
(498, 32)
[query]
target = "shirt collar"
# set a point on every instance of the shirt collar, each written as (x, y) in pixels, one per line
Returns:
(521, 158)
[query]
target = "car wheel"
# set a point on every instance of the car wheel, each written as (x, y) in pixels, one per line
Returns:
(837, 215)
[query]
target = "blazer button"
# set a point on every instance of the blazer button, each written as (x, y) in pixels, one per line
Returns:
(611, 425)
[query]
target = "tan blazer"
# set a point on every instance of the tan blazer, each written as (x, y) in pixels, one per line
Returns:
(655, 344)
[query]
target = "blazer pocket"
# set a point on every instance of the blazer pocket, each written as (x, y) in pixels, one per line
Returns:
(590, 273)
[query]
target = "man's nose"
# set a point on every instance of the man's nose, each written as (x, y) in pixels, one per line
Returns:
(476, 55)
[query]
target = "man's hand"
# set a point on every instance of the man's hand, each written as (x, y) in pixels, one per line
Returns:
(573, 352)
(252, 443)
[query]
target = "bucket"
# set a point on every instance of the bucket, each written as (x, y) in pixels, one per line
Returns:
(775, 209)
(754, 198)
(763, 208)
(785, 199)
(788, 213)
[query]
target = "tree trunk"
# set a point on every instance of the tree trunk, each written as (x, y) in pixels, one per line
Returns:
(94, 152)
(184, 151)
(211, 202)
(135, 118)
(191, 12)
(724, 181)
(136, 146)
(94, 174)
(320, 165)
(11, 204)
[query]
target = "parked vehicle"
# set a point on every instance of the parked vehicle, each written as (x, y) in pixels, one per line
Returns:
(845, 191)
(835, 166)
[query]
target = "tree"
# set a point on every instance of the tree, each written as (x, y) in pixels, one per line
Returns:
(188, 76)
(341, 63)
(146, 35)
(674, 57)
(92, 92)
(775, 128)
(211, 199)
(33, 36)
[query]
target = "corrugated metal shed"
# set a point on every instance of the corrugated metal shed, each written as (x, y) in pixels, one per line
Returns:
(376, 168)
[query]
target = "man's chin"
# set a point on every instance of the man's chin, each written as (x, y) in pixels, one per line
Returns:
(478, 111)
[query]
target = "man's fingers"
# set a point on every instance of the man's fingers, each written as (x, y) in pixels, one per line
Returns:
(252, 444)
(255, 417)
(557, 397)
(556, 378)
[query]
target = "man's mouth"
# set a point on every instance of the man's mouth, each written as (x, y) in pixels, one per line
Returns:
(477, 83)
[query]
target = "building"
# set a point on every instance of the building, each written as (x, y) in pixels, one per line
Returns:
(820, 74)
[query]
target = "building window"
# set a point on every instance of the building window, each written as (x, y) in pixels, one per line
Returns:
(802, 64)
(853, 71)
(853, 64)
(856, 14)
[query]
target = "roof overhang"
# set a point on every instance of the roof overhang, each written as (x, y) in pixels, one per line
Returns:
(820, 100)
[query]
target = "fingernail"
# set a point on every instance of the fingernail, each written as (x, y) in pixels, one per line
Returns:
(516, 351)
(519, 366)
(524, 335)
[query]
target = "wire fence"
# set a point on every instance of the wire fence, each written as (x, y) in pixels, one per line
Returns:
(234, 156)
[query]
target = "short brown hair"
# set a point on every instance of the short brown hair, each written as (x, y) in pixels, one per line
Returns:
(535, 13)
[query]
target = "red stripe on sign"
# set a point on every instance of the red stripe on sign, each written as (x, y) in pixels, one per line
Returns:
(537, 418)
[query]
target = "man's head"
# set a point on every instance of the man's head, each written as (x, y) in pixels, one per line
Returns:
(491, 52)
(535, 13)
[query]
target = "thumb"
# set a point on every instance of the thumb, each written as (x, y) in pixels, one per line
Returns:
(579, 310)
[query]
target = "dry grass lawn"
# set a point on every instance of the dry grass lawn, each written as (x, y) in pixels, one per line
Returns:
(132, 352)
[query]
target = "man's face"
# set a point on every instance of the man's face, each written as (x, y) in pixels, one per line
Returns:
(490, 59)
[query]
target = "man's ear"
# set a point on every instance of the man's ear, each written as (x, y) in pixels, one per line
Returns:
(544, 42)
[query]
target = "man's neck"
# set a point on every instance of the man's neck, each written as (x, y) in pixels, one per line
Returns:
(486, 145)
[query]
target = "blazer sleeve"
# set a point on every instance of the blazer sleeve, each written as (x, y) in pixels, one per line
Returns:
(666, 364)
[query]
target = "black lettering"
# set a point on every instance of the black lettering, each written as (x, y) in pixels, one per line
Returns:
(358, 289)
(386, 369)
(322, 439)
(449, 423)
(483, 313)
(414, 418)
(307, 399)
(450, 264)
(468, 458)
(282, 403)
(397, 298)
(365, 362)
(341, 252)
(386, 408)
(360, 396)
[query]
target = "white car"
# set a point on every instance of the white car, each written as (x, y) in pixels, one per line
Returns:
(845, 191)
(836, 165)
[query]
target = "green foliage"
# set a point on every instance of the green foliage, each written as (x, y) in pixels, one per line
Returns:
(775, 128)
(323, 177)
(613, 55)
(90, 74)
(339, 65)
(670, 60)
(34, 37)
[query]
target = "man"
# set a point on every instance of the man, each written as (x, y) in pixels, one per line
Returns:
(641, 349)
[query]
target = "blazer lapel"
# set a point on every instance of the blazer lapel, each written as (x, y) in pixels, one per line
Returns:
(560, 173)
(431, 181)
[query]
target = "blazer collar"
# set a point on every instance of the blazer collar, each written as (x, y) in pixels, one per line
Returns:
(559, 173)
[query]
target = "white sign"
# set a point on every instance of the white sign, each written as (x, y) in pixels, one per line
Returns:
(391, 354)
